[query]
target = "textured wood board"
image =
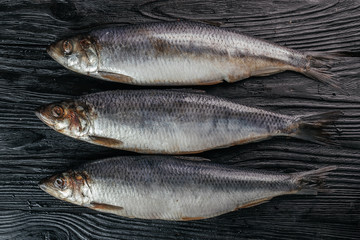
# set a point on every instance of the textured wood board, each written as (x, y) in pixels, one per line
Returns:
(29, 150)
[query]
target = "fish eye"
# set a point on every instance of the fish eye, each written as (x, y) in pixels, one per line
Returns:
(60, 183)
(67, 47)
(57, 112)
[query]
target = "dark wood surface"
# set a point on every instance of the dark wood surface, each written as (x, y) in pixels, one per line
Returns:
(29, 150)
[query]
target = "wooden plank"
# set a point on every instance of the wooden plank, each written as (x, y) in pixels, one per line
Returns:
(30, 150)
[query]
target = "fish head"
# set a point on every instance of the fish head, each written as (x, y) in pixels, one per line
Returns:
(72, 118)
(70, 186)
(78, 54)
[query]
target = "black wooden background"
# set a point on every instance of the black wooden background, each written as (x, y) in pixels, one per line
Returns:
(29, 150)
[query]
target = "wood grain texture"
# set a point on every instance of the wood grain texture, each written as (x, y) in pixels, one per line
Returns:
(30, 150)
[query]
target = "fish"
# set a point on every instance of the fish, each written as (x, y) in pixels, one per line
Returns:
(183, 53)
(170, 188)
(174, 122)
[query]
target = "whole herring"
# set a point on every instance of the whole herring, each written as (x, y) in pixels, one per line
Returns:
(159, 187)
(182, 53)
(173, 122)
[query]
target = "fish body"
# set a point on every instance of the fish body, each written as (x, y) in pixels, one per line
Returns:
(180, 53)
(164, 187)
(170, 122)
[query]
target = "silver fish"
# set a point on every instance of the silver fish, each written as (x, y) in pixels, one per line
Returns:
(182, 53)
(159, 187)
(173, 122)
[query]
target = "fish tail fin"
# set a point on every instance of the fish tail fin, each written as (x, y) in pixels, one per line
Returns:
(313, 181)
(319, 64)
(311, 127)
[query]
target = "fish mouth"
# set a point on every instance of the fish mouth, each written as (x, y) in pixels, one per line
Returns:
(42, 117)
(37, 112)
(42, 185)
(55, 53)
(50, 49)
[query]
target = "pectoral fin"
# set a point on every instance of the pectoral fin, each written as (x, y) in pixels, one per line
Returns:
(104, 207)
(104, 141)
(116, 77)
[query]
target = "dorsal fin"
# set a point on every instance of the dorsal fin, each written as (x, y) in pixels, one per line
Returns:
(192, 158)
(187, 90)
